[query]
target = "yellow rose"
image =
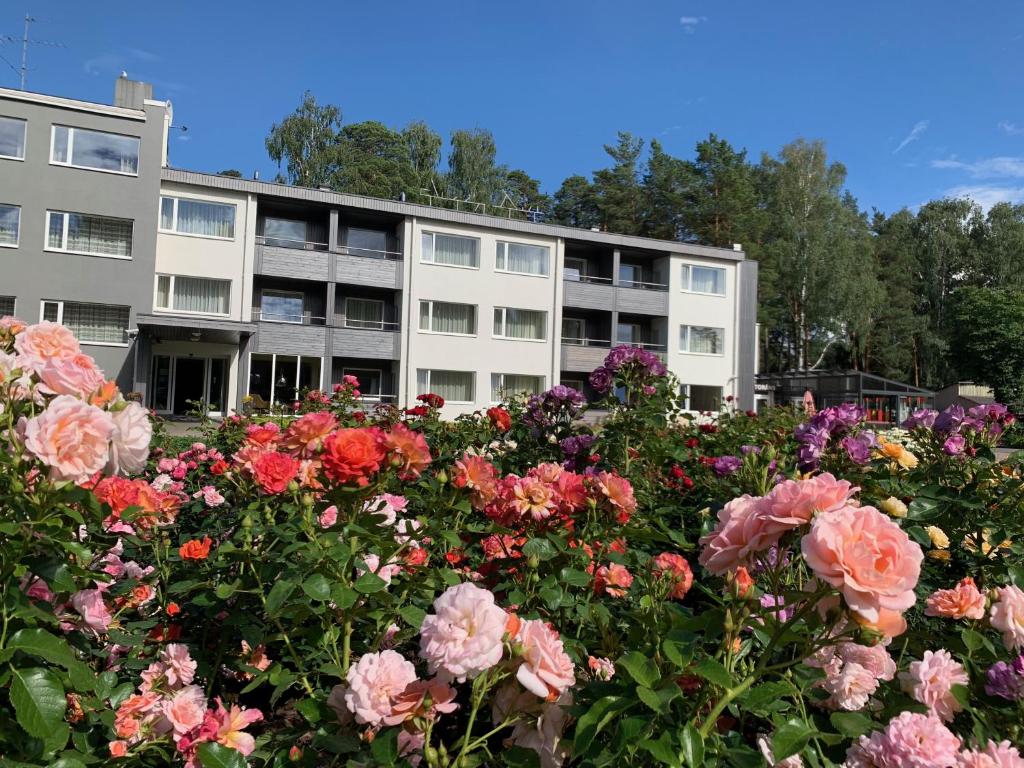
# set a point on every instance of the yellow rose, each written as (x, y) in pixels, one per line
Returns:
(939, 554)
(938, 536)
(893, 507)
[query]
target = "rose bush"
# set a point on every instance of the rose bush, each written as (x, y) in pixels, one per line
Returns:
(337, 587)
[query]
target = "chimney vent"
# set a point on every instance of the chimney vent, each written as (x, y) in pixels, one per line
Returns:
(131, 94)
(737, 246)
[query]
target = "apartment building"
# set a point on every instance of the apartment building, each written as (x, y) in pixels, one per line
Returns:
(78, 221)
(258, 290)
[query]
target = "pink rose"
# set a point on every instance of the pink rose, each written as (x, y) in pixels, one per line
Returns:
(793, 503)
(77, 375)
(373, 682)
(180, 668)
(995, 755)
(867, 557)
(210, 495)
(387, 571)
(539, 725)
(613, 580)
(910, 740)
(463, 637)
(413, 701)
(1007, 615)
(743, 530)
(964, 601)
(94, 612)
(546, 670)
(328, 517)
(45, 341)
(70, 437)
(931, 680)
(225, 726)
(184, 709)
(601, 668)
(129, 447)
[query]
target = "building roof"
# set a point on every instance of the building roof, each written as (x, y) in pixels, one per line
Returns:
(432, 213)
(870, 382)
(76, 105)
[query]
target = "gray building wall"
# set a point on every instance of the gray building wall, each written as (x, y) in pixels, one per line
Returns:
(746, 334)
(33, 274)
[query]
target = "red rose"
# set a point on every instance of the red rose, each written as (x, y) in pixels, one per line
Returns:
(359, 417)
(195, 549)
(274, 470)
(218, 467)
(432, 400)
(500, 419)
(419, 410)
(352, 455)
(414, 557)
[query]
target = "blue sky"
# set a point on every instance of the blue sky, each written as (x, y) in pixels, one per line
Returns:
(917, 98)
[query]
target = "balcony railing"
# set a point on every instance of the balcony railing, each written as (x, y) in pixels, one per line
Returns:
(578, 342)
(642, 285)
(284, 242)
(283, 317)
(368, 325)
(650, 346)
(370, 253)
(588, 279)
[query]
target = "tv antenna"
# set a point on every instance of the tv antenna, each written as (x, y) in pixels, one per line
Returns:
(26, 41)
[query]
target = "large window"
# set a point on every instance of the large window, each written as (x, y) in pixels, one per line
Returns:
(89, 235)
(507, 384)
(281, 306)
(283, 233)
(701, 340)
(444, 317)
(12, 138)
(703, 279)
(451, 250)
(698, 397)
(371, 243)
(521, 258)
(96, 150)
(178, 293)
(453, 386)
(6, 306)
(91, 323)
(196, 217)
(364, 313)
(10, 224)
(529, 324)
(283, 378)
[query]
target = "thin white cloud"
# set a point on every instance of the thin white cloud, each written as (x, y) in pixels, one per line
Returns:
(117, 61)
(915, 133)
(689, 23)
(143, 55)
(670, 129)
(1010, 129)
(987, 196)
(986, 168)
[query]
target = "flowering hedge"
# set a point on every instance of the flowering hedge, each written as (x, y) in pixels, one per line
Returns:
(508, 588)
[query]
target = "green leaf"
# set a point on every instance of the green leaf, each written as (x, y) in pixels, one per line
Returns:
(575, 578)
(279, 593)
(972, 640)
(413, 616)
(714, 672)
(642, 669)
(38, 699)
(385, 747)
(758, 698)
(789, 738)
(923, 508)
(680, 654)
(651, 699)
(851, 724)
(226, 589)
(662, 749)
(593, 721)
(43, 645)
(369, 583)
(214, 755)
(309, 709)
(317, 587)
(68, 762)
(541, 548)
(691, 745)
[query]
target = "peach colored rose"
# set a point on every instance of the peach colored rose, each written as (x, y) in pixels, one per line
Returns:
(964, 601)
(1007, 615)
(77, 375)
(185, 709)
(118, 748)
(674, 568)
(743, 530)
(613, 580)
(792, 503)
(407, 451)
(617, 494)
(867, 557)
(227, 726)
(129, 446)
(463, 637)
(45, 341)
(546, 670)
(352, 455)
(306, 434)
(412, 702)
(533, 498)
(477, 475)
(373, 682)
(71, 437)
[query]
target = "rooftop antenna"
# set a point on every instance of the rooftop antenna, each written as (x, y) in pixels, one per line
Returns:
(26, 40)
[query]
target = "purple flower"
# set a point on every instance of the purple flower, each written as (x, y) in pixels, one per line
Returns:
(949, 420)
(1003, 680)
(726, 465)
(922, 417)
(558, 404)
(954, 445)
(649, 390)
(601, 380)
(859, 448)
(847, 415)
(747, 449)
(777, 606)
(576, 450)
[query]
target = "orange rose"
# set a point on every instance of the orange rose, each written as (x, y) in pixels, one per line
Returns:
(352, 455)
(195, 549)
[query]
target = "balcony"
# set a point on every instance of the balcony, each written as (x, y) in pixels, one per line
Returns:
(290, 336)
(641, 298)
(301, 259)
(589, 292)
(375, 341)
(365, 266)
(583, 355)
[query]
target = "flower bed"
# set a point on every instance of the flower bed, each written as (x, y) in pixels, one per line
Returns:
(509, 588)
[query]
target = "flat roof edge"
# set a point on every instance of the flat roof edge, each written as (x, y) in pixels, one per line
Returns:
(72, 104)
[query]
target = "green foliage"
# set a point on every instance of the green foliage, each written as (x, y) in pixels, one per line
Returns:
(988, 325)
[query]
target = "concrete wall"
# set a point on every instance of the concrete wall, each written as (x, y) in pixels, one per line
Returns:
(30, 272)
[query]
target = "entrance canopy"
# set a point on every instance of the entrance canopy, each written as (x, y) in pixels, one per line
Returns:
(210, 330)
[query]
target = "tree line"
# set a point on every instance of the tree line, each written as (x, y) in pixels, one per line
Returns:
(839, 287)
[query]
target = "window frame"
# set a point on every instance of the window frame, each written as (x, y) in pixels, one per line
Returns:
(504, 251)
(284, 294)
(14, 305)
(504, 324)
(433, 249)
(430, 319)
(581, 274)
(686, 351)
(60, 320)
(71, 149)
(686, 395)
(64, 235)
(472, 384)
(379, 302)
(17, 240)
(24, 138)
(170, 296)
(541, 379)
(689, 266)
(174, 217)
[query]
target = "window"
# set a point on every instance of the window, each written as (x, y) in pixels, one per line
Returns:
(703, 279)
(371, 382)
(88, 235)
(444, 317)
(364, 313)
(91, 323)
(521, 258)
(528, 324)
(700, 340)
(10, 224)
(96, 150)
(195, 217)
(631, 275)
(453, 386)
(178, 293)
(281, 306)
(370, 243)
(575, 270)
(629, 333)
(12, 138)
(452, 250)
(698, 397)
(506, 384)
(574, 330)
(283, 233)
(6, 306)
